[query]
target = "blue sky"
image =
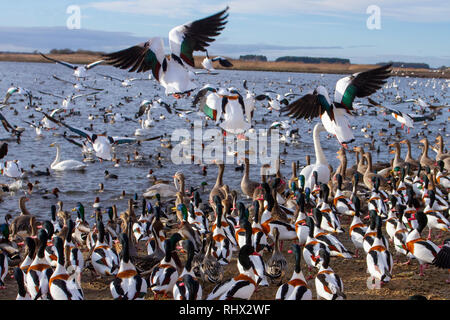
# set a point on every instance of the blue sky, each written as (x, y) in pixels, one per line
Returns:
(414, 31)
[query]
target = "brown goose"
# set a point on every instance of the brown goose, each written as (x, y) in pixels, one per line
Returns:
(398, 161)
(248, 186)
(424, 160)
(362, 165)
(408, 158)
(25, 223)
(369, 174)
(217, 190)
(440, 149)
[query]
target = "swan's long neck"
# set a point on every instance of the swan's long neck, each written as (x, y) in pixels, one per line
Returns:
(320, 156)
(58, 156)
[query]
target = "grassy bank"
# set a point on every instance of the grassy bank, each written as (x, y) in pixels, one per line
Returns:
(83, 58)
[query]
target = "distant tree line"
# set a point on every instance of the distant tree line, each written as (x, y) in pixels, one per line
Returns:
(69, 51)
(253, 57)
(313, 60)
(416, 65)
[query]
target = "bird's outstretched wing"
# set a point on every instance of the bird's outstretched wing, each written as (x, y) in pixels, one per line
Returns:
(376, 104)
(51, 94)
(308, 107)
(142, 57)
(223, 62)
(361, 84)
(63, 80)
(93, 64)
(201, 95)
(110, 77)
(196, 36)
(71, 66)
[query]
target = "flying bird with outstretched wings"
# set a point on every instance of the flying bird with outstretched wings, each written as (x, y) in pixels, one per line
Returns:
(334, 114)
(173, 72)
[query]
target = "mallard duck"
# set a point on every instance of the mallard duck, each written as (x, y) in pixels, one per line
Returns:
(187, 286)
(329, 285)
(211, 268)
(165, 274)
(197, 217)
(127, 285)
(61, 287)
(241, 286)
(296, 288)
(277, 264)
(39, 272)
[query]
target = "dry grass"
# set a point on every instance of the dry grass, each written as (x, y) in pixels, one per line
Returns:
(83, 58)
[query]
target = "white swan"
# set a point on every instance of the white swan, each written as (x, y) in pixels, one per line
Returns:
(70, 164)
(321, 165)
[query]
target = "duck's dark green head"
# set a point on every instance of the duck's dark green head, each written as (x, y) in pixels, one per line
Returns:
(241, 209)
(300, 201)
(357, 204)
(53, 212)
(301, 178)
(393, 200)
(339, 181)
(4, 230)
(158, 197)
(318, 214)
(197, 199)
(441, 165)
(110, 213)
(373, 218)
(315, 174)
(80, 211)
(293, 186)
(422, 221)
(182, 208)
(217, 200)
(325, 257)
(48, 226)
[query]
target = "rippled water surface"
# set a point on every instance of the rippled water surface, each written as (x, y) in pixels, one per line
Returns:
(83, 187)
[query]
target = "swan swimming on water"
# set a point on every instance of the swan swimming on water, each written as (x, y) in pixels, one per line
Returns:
(64, 165)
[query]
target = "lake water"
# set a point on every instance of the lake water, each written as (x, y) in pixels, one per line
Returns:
(82, 187)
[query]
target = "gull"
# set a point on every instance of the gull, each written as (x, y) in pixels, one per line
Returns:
(70, 98)
(124, 82)
(78, 71)
(77, 86)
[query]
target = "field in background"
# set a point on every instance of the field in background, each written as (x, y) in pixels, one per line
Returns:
(83, 58)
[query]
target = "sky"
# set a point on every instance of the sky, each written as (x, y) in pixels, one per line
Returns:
(363, 31)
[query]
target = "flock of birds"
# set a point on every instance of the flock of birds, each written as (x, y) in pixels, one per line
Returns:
(192, 236)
